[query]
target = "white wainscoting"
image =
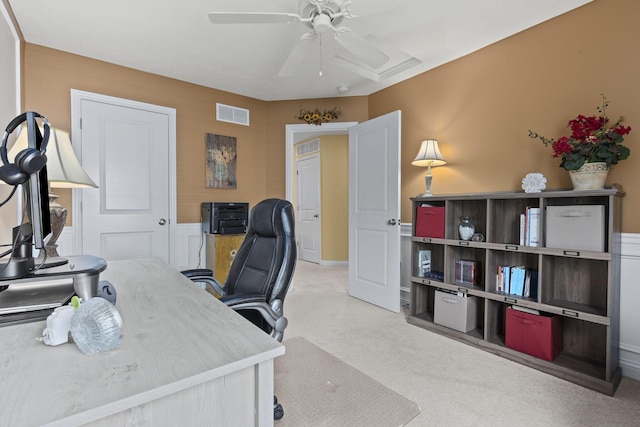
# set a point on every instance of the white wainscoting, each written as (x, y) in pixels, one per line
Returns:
(190, 253)
(190, 247)
(629, 299)
(189, 244)
(405, 264)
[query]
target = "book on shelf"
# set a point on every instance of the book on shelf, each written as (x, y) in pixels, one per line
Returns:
(424, 262)
(534, 227)
(437, 275)
(531, 284)
(530, 227)
(506, 278)
(516, 285)
(517, 280)
(467, 272)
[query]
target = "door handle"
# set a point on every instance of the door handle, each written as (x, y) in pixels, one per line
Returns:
(392, 221)
(162, 221)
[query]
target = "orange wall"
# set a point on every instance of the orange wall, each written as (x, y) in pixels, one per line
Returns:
(261, 146)
(479, 107)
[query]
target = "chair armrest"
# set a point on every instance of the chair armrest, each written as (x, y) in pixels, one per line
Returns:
(232, 300)
(198, 272)
(203, 275)
(257, 303)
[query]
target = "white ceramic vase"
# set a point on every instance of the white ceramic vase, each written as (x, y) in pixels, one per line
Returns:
(591, 176)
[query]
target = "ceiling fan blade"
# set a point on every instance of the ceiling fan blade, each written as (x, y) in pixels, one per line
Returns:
(360, 47)
(253, 18)
(298, 55)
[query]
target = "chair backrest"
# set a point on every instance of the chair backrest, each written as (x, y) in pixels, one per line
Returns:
(265, 261)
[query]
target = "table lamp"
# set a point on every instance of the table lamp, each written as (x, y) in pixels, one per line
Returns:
(429, 155)
(64, 171)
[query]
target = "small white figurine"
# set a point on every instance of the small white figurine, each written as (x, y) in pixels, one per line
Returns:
(534, 183)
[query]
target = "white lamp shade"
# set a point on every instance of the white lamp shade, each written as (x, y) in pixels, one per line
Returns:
(429, 154)
(63, 167)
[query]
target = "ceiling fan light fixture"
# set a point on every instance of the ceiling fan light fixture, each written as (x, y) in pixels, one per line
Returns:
(322, 23)
(321, 16)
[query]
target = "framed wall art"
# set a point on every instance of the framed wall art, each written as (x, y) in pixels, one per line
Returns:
(221, 161)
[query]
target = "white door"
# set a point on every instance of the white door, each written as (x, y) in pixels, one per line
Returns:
(126, 151)
(374, 211)
(308, 203)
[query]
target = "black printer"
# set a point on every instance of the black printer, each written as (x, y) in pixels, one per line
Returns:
(225, 217)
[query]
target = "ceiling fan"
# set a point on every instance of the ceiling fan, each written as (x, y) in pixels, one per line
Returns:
(322, 16)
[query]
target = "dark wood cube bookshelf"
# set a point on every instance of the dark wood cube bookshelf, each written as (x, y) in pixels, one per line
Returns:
(581, 286)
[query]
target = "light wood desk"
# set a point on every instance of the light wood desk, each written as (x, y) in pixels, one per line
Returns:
(185, 359)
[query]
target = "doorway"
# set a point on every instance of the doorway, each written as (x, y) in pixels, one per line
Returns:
(377, 147)
(302, 132)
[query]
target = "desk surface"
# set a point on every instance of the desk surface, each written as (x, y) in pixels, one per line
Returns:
(176, 336)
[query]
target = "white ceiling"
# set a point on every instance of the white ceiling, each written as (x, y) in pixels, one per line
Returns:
(175, 38)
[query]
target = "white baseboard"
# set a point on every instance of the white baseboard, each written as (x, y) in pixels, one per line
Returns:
(334, 263)
(630, 361)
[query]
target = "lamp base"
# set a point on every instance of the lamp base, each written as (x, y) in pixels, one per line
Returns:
(427, 181)
(58, 215)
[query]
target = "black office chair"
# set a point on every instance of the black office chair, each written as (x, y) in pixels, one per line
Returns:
(261, 271)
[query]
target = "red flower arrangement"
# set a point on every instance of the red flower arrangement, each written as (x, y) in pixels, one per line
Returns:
(590, 141)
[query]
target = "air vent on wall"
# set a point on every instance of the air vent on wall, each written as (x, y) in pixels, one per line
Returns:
(227, 113)
(308, 147)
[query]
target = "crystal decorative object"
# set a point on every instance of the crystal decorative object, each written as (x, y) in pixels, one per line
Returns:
(96, 325)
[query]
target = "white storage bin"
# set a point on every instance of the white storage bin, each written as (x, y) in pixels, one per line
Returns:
(455, 311)
(578, 227)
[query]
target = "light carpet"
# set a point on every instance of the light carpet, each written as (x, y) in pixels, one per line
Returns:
(453, 383)
(318, 389)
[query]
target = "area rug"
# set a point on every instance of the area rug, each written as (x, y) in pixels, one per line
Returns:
(318, 389)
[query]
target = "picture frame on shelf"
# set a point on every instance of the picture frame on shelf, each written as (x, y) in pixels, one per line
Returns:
(424, 263)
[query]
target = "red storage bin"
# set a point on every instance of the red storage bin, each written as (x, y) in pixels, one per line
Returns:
(539, 336)
(430, 221)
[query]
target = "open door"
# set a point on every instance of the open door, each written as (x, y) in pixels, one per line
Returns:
(374, 211)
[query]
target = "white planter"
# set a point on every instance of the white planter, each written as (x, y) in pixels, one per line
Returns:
(591, 176)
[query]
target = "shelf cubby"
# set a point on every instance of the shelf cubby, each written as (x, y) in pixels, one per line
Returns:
(456, 253)
(504, 219)
(575, 284)
(422, 301)
(455, 209)
(437, 257)
(495, 322)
